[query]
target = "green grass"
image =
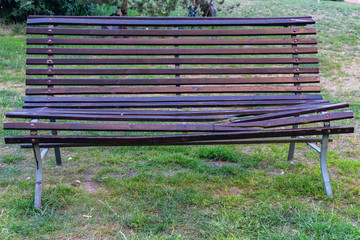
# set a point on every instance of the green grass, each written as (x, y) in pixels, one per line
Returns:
(189, 192)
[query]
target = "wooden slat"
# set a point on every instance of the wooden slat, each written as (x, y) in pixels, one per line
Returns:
(122, 127)
(34, 112)
(155, 90)
(170, 22)
(169, 32)
(171, 81)
(309, 109)
(153, 61)
(163, 18)
(169, 41)
(170, 51)
(172, 104)
(167, 71)
(171, 139)
(95, 117)
(173, 99)
(296, 120)
(214, 142)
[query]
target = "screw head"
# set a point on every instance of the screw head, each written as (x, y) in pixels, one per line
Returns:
(49, 81)
(295, 40)
(298, 88)
(49, 99)
(50, 19)
(49, 51)
(297, 79)
(49, 71)
(294, 30)
(49, 41)
(49, 90)
(32, 125)
(33, 140)
(297, 69)
(296, 59)
(296, 50)
(49, 30)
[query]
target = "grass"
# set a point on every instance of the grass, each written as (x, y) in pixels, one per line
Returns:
(182, 192)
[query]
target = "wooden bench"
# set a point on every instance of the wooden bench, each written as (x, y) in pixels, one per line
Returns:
(201, 81)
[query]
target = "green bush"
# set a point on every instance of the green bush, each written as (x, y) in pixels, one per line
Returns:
(18, 10)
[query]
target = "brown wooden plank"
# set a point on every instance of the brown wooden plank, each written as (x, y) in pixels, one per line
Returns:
(296, 120)
(168, 71)
(172, 104)
(171, 51)
(30, 113)
(213, 142)
(169, 41)
(170, 22)
(171, 81)
(121, 127)
(95, 117)
(154, 61)
(163, 18)
(171, 139)
(309, 109)
(173, 99)
(154, 90)
(169, 32)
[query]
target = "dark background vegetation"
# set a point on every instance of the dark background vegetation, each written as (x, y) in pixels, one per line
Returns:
(16, 11)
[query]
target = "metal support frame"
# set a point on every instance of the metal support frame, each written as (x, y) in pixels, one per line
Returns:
(56, 149)
(323, 165)
(39, 177)
(292, 147)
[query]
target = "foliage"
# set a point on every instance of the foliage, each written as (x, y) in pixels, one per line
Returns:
(18, 10)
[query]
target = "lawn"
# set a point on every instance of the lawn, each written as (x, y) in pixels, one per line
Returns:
(182, 192)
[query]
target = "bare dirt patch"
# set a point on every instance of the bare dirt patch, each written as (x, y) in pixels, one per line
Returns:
(91, 186)
(222, 163)
(233, 190)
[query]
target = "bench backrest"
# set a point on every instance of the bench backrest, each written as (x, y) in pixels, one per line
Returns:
(92, 56)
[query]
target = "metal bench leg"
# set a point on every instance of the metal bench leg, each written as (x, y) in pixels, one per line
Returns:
(38, 179)
(291, 151)
(57, 150)
(292, 147)
(58, 157)
(323, 165)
